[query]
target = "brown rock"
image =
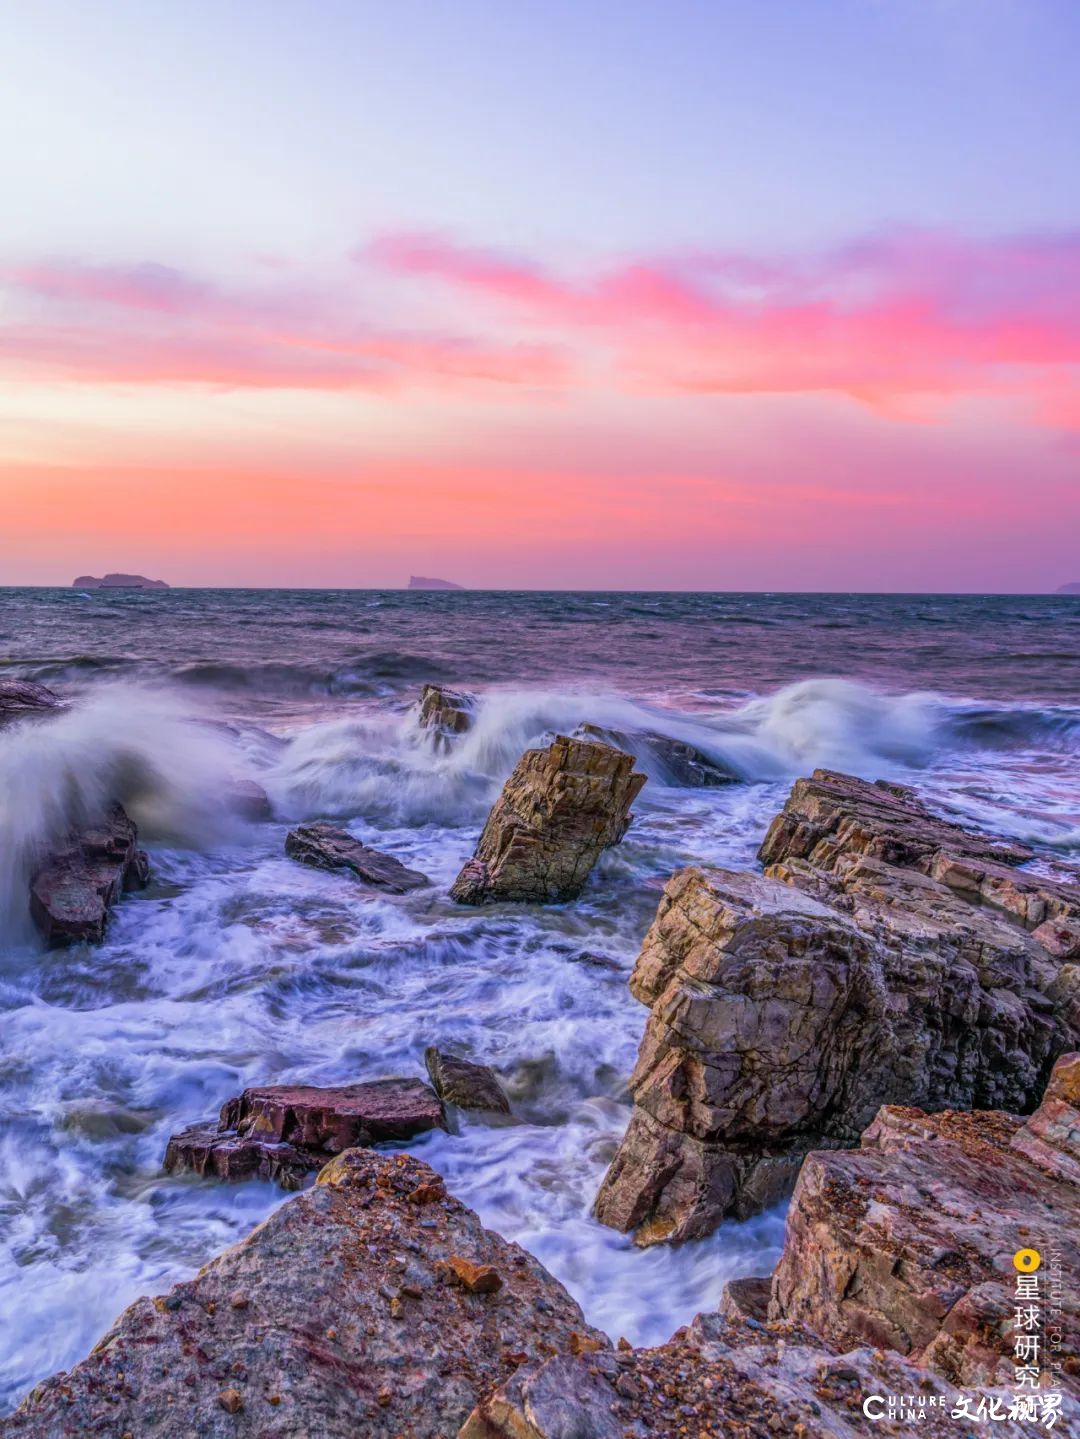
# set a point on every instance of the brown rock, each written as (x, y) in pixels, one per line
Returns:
(72, 892)
(476, 1278)
(875, 1249)
(231, 1401)
(285, 1132)
(314, 1269)
(324, 846)
(781, 1024)
(559, 809)
(468, 1085)
(445, 713)
(679, 762)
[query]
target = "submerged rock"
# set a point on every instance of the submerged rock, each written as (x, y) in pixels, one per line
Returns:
(682, 763)
(445, 713)
(558, 811)
(284, 1132)
(324, 846)
(22, 698)
(249, 800)
(73, 891)
(340, 1316)
(784, 1014)
(468, 1085)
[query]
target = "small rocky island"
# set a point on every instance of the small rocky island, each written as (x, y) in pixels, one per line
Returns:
(880, 1021)
(426, 582)
(117, 582)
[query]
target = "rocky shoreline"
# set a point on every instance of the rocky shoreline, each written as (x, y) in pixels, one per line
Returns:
(863, 1025)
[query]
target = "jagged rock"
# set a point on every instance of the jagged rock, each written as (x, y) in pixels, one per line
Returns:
(284, 1132)
(72, 892)
(559, 809)
(781, 1024)
(681, 763)
(468, 1085)
(21, 698)
(713, 1381)
(445, 713)
(908, 1241)
(324, 846)
(249, 800)
(832, 819)
(337, 1317)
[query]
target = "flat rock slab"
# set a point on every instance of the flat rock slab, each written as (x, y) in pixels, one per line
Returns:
(22, 698)
(339, 1317)
(73, 891)
(558, 811)
(324, 846)
(284, 1132)
(468, 1085)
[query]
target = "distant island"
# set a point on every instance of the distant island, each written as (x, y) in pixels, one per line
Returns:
(422, 582)
(1072, 588)
(117, 582)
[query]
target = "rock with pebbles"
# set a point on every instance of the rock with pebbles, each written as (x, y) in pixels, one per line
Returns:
(341, 1315)
(558, 811)
(325, 846)
(73, 891)
(465, 1084)
(285, 1132)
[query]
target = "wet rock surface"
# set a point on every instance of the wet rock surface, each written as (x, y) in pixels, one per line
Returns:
(445, 712)
(558, 811)
(680, 762)
(285, 1132)
(786, 1010)
(73, 891)
(325, 846)
(249, 800)
(340, 1316)
(464, 1083)
(20, 699)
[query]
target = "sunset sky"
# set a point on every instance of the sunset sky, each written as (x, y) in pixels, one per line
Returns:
(732, 294)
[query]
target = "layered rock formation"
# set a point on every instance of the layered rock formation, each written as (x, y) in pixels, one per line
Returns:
(462, 1083)
(342, 1315)
(74, 889)
(324, 846)
(784, 1014)
(285, 1132)
(558, 811)
(20, 699)
(445, 712)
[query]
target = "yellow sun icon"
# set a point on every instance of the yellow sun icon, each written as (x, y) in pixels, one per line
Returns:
(1026, 1261)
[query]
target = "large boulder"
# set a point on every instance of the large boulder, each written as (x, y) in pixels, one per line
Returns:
(908, 1242)
(784, 1014)
(22, 698)
(558, 811)
(344, 1314)
(284, 1132)
(73, 891)
(324, 846)
(445, 713)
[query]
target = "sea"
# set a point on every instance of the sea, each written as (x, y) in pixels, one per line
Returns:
(238, 966)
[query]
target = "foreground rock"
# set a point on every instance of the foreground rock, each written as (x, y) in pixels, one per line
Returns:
(467, 1085)
(784, 1014)
(342, 1315)
(285, 1132)
(20, 699)
(74, 890)
(445, 712)
(249, 800)
(908, 1241)
(558, 811)
(324, 846)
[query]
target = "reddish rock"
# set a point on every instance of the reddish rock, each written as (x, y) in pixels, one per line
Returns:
(558, 811)
(73, 891)
(284, 1132)
(476, 1278)
(324, 846)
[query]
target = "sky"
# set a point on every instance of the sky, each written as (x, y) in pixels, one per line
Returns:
(712, 294)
